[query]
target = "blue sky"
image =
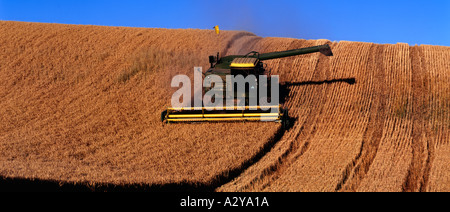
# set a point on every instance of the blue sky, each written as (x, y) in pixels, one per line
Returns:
(378, 21)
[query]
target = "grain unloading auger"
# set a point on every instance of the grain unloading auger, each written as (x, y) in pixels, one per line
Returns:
(245, 65)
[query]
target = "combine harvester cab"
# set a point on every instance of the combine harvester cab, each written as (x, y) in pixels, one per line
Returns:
(245, 65)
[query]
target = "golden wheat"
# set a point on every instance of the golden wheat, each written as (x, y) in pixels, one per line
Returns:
(82, 104)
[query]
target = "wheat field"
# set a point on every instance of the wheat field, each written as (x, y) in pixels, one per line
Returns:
(81, 105)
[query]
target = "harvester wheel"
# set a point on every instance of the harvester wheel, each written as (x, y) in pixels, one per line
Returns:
(285, 120)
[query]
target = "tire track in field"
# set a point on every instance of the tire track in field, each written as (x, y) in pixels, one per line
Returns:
(300, 138)
(289, 145)
(422, 152)
(430, 144)
(360, 165)
(435, 59)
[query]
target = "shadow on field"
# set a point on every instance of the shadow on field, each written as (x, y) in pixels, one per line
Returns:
(350, 81)
(285, 87)
(38, 185)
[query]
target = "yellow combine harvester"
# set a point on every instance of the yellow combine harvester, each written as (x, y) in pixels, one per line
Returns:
(250, 68)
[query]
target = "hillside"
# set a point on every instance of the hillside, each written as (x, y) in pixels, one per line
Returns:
(387, 131)
(81, 105)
